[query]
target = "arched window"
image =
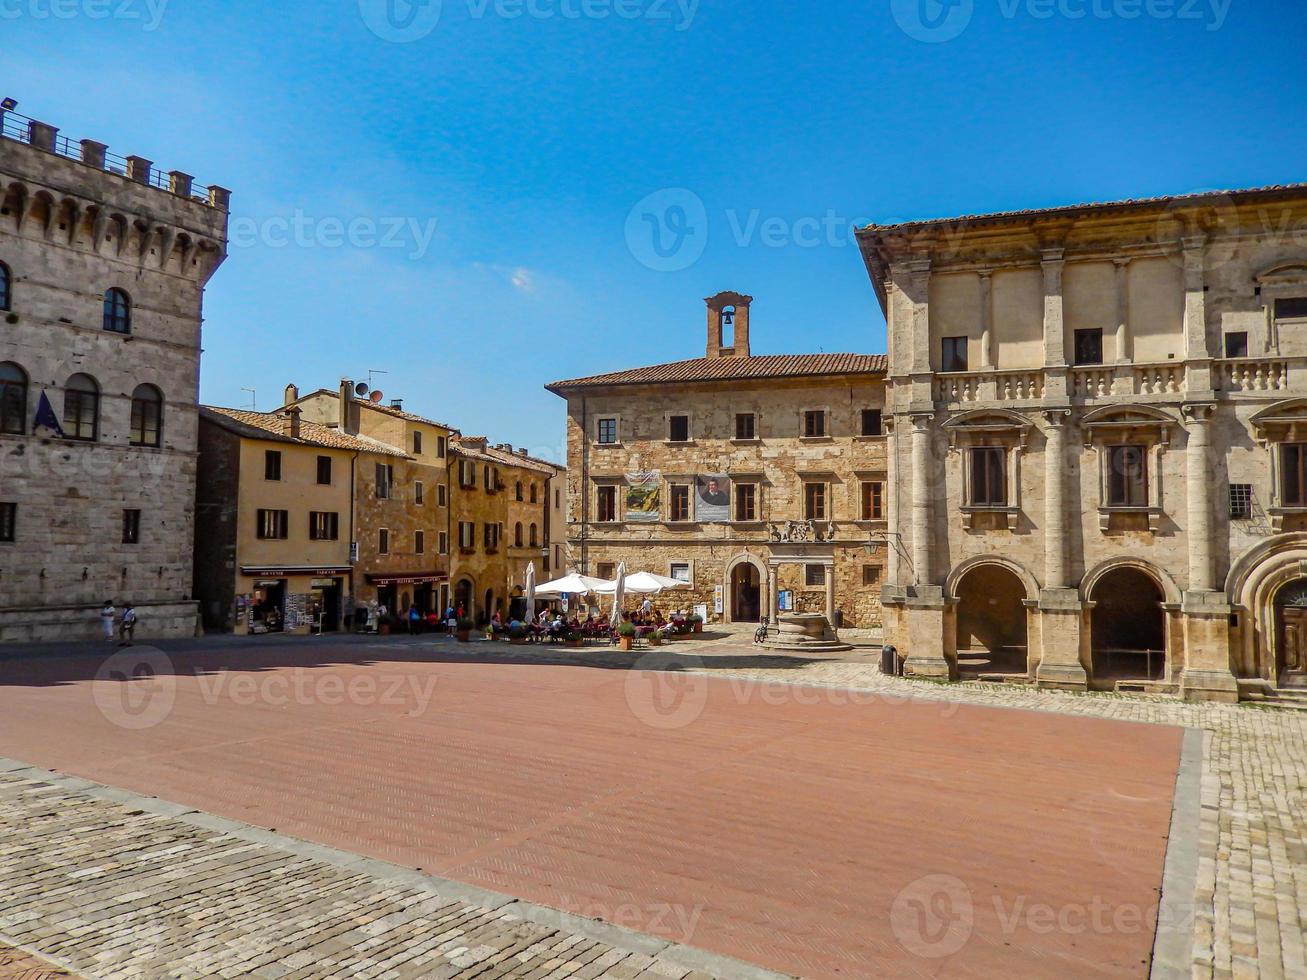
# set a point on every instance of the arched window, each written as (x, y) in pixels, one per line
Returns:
(535, 536)
(82, 408)
(519, 489)
(517, 535)
(117, 311)
(6, 287)
(13, 399)
(535, 494)
(147, 416)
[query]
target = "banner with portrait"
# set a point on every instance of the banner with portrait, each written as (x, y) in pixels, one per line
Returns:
(712, 493)
(644, 503)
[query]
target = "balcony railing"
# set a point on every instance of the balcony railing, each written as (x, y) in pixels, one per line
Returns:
(1252, 374)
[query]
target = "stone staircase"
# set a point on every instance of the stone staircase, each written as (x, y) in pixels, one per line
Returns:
(1261, 692)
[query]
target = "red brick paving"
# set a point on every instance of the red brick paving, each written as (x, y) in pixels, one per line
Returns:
(778, 827)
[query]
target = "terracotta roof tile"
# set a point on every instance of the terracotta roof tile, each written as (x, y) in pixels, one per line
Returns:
(498, 456)
(705, 369)
(1070, 209)
(398, 413)
(272, 426)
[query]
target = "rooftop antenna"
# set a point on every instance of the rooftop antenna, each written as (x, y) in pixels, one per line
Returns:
(254, 399)
(371, 373)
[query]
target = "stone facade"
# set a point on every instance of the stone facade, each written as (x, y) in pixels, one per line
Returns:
(106, 510)
(293, 574)
(499, 491)
(401, 515)
(1096, 415)
(776, 427)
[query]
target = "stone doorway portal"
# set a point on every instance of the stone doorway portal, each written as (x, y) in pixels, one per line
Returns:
(1291, 635)
(746, 594)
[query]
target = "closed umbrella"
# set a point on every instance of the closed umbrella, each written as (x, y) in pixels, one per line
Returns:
(531, 593)
(619, 593)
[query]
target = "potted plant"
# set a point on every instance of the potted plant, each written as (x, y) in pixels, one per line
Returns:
(656, 638)
(517, 636)
(626, 636)
(574, 639)
(463, 632)
(385, 624)
(696, 623)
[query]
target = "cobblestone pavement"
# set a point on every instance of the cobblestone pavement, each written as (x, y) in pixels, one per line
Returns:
(16, 965)
(115, 886)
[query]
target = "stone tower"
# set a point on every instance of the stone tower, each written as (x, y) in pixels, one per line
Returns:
(103, 264)
(728, 310)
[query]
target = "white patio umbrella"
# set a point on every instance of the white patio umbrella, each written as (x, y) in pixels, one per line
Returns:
(531, 593)
(619, 593)
(573, 584)
(647, 583)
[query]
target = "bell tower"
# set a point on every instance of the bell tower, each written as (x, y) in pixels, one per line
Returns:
(728, 312)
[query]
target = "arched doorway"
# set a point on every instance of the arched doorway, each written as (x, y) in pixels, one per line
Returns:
(1291, 635)
(746, 593)
(1127, 627)
(463, 597)
(991, 629)
(488, 610)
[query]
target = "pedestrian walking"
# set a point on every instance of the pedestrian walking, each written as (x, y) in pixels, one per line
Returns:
(107, 616)
(127, 626)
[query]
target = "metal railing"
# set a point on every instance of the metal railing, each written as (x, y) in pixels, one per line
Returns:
(16, 126)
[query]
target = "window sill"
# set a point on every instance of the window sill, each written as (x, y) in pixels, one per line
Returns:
(678, 442)
(816, 438)
(682, 524)
(746, 442)
(606, 445)
(969, 512)
(1154, 515)
(876, 438)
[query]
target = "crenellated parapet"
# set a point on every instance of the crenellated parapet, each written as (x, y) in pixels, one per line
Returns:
(82, 197)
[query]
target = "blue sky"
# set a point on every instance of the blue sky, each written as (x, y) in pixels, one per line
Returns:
(501, 152)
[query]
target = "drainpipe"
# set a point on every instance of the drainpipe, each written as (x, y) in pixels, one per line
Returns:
(353, 595)
(585, 487)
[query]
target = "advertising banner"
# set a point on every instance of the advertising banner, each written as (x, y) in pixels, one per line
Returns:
(644, 498)
(713, 498)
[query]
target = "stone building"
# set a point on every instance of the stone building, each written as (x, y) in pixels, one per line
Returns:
(1096, 453)
(402, 516)
(749, 477)
(103, 264)
(504, 515)
(275, 516)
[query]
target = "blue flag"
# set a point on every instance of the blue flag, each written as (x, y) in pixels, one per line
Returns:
(47, 423)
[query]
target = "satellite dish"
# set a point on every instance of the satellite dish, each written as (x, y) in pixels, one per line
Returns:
(376, 397)
(360, 389)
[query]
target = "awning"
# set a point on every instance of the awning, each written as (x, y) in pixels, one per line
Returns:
(285, 571)
(408, 579)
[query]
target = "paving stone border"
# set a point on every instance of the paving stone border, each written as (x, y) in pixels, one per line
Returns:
(110, 884)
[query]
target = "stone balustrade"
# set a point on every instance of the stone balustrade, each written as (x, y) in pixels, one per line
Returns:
(1253, 374)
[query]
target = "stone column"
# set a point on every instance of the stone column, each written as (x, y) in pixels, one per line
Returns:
(1124, 351)
(1205, 613)
(921, 494)
(773, 600)
(986, 320)
(1055, 529)
(830, 595)
(1060, 610)
(1200, 477)
(893, 543)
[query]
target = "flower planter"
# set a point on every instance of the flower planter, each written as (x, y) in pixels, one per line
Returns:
(625, 643)
(655, 639)
(383, 630)
(463, 636)
(698, 627)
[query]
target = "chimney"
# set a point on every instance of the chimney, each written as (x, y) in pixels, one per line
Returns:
(475, 443)
(397, 403)
(42, 135)
(736, 305)
(349, 411)
(292, 423)
(292, 394)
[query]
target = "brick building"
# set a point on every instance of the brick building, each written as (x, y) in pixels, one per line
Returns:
(746, 476)
(505, 517)
(103, 264)
(275, 517)
(401, 508)
(1098, 417)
